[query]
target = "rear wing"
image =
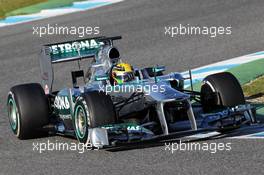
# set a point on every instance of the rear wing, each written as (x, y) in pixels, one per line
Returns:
(77, 49)
(69, 51)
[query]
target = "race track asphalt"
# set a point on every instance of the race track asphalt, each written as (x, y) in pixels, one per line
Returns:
(141, 23)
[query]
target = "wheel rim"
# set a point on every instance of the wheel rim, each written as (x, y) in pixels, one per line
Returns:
(81, 121)
(13, 114)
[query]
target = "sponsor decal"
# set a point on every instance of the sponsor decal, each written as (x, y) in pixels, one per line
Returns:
(134, 128)
(129, 127)
(74, 46)
(62, 102)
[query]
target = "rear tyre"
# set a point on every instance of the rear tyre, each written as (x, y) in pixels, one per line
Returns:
(28, 110)
(92, 110)
(221, 90)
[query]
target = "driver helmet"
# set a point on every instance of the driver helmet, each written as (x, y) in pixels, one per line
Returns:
(122, 72)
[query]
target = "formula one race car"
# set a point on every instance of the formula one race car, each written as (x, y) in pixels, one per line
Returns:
(120, 104)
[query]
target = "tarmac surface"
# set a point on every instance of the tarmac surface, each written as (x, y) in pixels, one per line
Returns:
(142, 25)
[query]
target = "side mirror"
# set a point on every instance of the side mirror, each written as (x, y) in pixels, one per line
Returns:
(158, 69)
(101, 77)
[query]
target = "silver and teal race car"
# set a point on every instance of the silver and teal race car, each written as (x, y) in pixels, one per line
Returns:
(153, 106)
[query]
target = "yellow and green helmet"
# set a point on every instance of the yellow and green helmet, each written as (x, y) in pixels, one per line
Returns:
(122, 72)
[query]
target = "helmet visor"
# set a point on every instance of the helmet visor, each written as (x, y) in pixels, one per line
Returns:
(125, 77)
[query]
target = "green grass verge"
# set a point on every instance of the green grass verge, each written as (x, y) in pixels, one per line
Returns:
(21, 7)
(50, 4)
(254, 87)
(249, 71)
(7, 6)
(244, 73)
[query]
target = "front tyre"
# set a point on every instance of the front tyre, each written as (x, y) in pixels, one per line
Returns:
(221, 90)
(93, 109)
